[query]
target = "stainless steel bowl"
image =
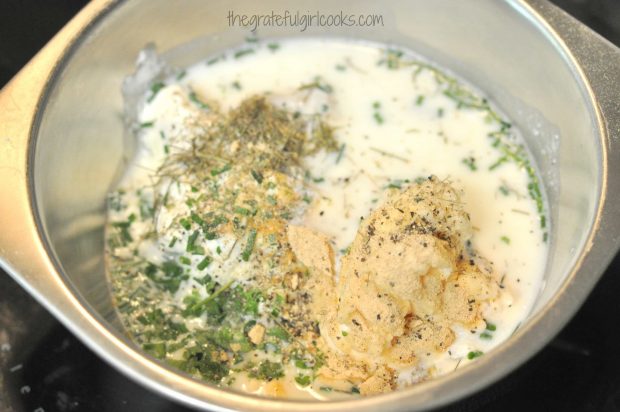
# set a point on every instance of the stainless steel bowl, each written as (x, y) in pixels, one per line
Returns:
(62, 145)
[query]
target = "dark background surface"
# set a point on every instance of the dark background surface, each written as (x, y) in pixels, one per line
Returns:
(43, 368)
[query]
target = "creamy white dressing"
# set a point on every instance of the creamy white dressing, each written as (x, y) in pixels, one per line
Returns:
(393, 126)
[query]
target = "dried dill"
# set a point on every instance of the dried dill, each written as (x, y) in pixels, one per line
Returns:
(258, 136)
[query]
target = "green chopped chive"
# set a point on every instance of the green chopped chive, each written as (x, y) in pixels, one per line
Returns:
(504, 125)
(171, 278)
(341, 67)
(419, 100)
(491, 326)
(218, 250)
(251, 39)
(226, 168)
(307, 199)
(301, 364)
(440, 112)
(185, 223)
(236, 85)
(204, 263)
(505, 239)
(191, 241)
(326, 388)
(345, 333)
(185, 260)
(499, 162)
(486, 336)
(376, 105)
(257, 176)
(273, 46)
(155, 88)
(173, 241)
(280, 299)
(278, 332)
(181, 75)
(196, 219)
(214, 60)
(194, 98)
(242, 211)
(124, 231)
(504, 190)
(340, 153)
(157, 349)
(474, 354)
(392, 59)
(217, 292)
(267, 371)
(249, 246)
(397, 184)
(318, 83)
(243, 52)
(355, 389)
(470, 162)
(303, 380)
(378, 118)
(145, 125)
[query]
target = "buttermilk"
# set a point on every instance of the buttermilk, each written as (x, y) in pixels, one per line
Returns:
(315, 133)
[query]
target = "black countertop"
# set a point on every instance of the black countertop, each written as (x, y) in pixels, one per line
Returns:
(43, 368)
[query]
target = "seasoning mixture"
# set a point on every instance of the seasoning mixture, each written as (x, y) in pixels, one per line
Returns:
(323, 218)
